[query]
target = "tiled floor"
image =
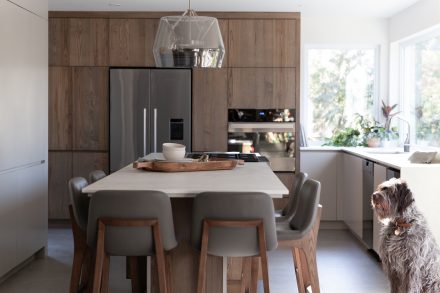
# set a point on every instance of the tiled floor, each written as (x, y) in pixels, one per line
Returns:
(344, 266)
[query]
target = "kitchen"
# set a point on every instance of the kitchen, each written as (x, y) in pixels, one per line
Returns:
(263, 77)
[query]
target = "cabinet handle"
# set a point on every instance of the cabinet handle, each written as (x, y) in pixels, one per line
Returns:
(155, 130)
(145, 132)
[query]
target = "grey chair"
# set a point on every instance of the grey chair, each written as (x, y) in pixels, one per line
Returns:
(130, 223)
(78, 210)
(234, 225)
(289, 210)
(300, 234)
(96, 175)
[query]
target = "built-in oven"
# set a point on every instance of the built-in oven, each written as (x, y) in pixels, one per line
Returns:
(270, 132)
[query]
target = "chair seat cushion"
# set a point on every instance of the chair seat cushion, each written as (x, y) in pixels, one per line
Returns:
(285, 232)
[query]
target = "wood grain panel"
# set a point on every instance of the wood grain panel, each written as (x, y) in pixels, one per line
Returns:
(59, 41)
(209, 110)
(131, 42)
(90, 108)
(60, 108)
(262, 43)
(60, 171)
(261, 88)
(88, 42)
(85, 162)
(224, 29)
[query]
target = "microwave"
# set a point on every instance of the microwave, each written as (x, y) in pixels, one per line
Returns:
(271, 133)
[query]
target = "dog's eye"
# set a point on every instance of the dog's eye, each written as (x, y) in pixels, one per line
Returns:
(384, 188)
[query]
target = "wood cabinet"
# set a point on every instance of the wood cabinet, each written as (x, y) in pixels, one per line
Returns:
(60, 108)
(263, 43)
(224, 29)
(90, 108)
(261, 88)
(350, 203)
(88, 41)
(85, 162)
(131, 42)
(209, 110)
(323, 166)
(60, 171)
(59, 41)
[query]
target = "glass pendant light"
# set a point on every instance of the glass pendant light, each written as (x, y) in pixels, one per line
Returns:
(188, 40)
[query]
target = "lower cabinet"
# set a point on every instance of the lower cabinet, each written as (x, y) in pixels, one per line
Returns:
(380, 175)
(350, 198)
(323, 166)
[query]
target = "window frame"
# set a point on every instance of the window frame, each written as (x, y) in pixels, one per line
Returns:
(306, 119)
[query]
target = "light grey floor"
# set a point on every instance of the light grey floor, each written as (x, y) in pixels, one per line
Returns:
(344, 266)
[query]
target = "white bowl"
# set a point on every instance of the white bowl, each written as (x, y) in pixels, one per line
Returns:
(173, 151)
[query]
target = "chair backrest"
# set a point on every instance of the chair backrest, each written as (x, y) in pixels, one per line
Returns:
(79, 201)
(131, 241)
(96, 175)
(292, 205)
(307, 207)
(233, 206)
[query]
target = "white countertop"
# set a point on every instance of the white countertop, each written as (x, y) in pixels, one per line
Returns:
(250, 177)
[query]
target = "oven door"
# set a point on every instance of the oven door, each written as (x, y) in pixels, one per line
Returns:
(276, 141)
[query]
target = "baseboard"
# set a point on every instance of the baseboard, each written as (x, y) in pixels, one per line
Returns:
(332, 225)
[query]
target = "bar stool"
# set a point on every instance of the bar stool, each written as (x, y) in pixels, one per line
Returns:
(78, 210)
(96, 175)
(289, 210)
(129, 223)
(300, 235)
(234, 225)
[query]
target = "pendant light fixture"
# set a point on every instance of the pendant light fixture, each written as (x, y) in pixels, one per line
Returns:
(188, 40)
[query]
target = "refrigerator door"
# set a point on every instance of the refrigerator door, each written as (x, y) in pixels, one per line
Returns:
(129, 116)
(170, 107)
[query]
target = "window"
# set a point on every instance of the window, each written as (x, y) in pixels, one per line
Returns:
(339, 82)
(420, 88)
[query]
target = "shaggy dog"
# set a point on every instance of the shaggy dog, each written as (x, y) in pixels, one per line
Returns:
(409, 253)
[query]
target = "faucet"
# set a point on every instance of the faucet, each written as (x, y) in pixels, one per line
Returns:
(406, 143)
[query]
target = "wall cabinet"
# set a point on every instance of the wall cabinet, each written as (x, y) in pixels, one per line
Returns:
(60, 171)
(350, 203)
(209, 110)
(324, 167)
(261, 88)
(263, 43)
(59, 42)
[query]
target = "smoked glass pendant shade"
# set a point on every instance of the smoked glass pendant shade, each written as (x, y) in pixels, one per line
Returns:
(188, 40)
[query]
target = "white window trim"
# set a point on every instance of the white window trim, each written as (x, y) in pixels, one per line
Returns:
(305, 119)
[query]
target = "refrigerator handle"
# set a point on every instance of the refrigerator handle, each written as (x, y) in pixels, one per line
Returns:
(145, 132)
(155, 130)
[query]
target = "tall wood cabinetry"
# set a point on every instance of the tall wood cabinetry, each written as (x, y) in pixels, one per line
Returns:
(260, 70)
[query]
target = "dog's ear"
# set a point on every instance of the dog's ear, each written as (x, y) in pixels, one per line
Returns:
(404, 197)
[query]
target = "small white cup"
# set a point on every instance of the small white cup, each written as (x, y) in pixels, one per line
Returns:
(173, 151)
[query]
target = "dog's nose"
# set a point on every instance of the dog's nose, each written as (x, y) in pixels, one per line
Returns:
(375, 196)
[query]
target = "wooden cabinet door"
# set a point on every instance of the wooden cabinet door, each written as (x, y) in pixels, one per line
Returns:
(59, 41)
(263, 43)
(90, 108)
(60, 171)
(131, 42)
(88, 41)
(261, 88)
(60, 108)
(85, 162)
(323, 166)
(224, 29)
(209, 110)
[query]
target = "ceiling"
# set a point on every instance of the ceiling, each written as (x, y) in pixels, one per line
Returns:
(351, 8)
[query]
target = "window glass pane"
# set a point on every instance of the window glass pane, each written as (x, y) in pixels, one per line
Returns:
(421, 89)
(340, 83)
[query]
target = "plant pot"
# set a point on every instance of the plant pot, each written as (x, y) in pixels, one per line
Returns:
(373, 142)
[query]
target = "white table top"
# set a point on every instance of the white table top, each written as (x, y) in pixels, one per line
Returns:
(250, 177)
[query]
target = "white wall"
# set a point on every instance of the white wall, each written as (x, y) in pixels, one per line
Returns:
(421, 16)
(346, 31)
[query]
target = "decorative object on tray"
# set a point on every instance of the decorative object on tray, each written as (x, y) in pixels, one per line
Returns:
(173, 151)
(422, 157)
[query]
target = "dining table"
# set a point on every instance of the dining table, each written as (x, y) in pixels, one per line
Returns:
(182, 187)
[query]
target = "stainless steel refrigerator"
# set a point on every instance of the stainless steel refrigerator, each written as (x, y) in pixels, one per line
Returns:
(147, 108)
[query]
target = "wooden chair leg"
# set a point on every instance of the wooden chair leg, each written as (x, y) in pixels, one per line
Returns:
(160, 259)
(79, 255)
(263, 255)
(299, 272)
(254, 274)
(134, 274)
(168, 272)
(201, 283)
(78, 259)
(313, 279)
(245, 274)
(105, 274)
(100, 255)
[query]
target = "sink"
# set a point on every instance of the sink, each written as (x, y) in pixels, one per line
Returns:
(384, 151)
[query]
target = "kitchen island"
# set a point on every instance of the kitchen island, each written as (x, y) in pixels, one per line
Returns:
(182, 187)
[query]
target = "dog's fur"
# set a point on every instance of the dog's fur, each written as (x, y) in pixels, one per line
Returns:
(409, 253)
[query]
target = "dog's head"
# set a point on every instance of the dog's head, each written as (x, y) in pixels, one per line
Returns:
(391, 199)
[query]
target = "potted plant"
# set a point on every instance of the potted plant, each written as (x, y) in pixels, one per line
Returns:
(391, 135)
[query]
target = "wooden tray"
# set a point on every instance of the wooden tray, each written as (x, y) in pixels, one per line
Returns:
(164, 166)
